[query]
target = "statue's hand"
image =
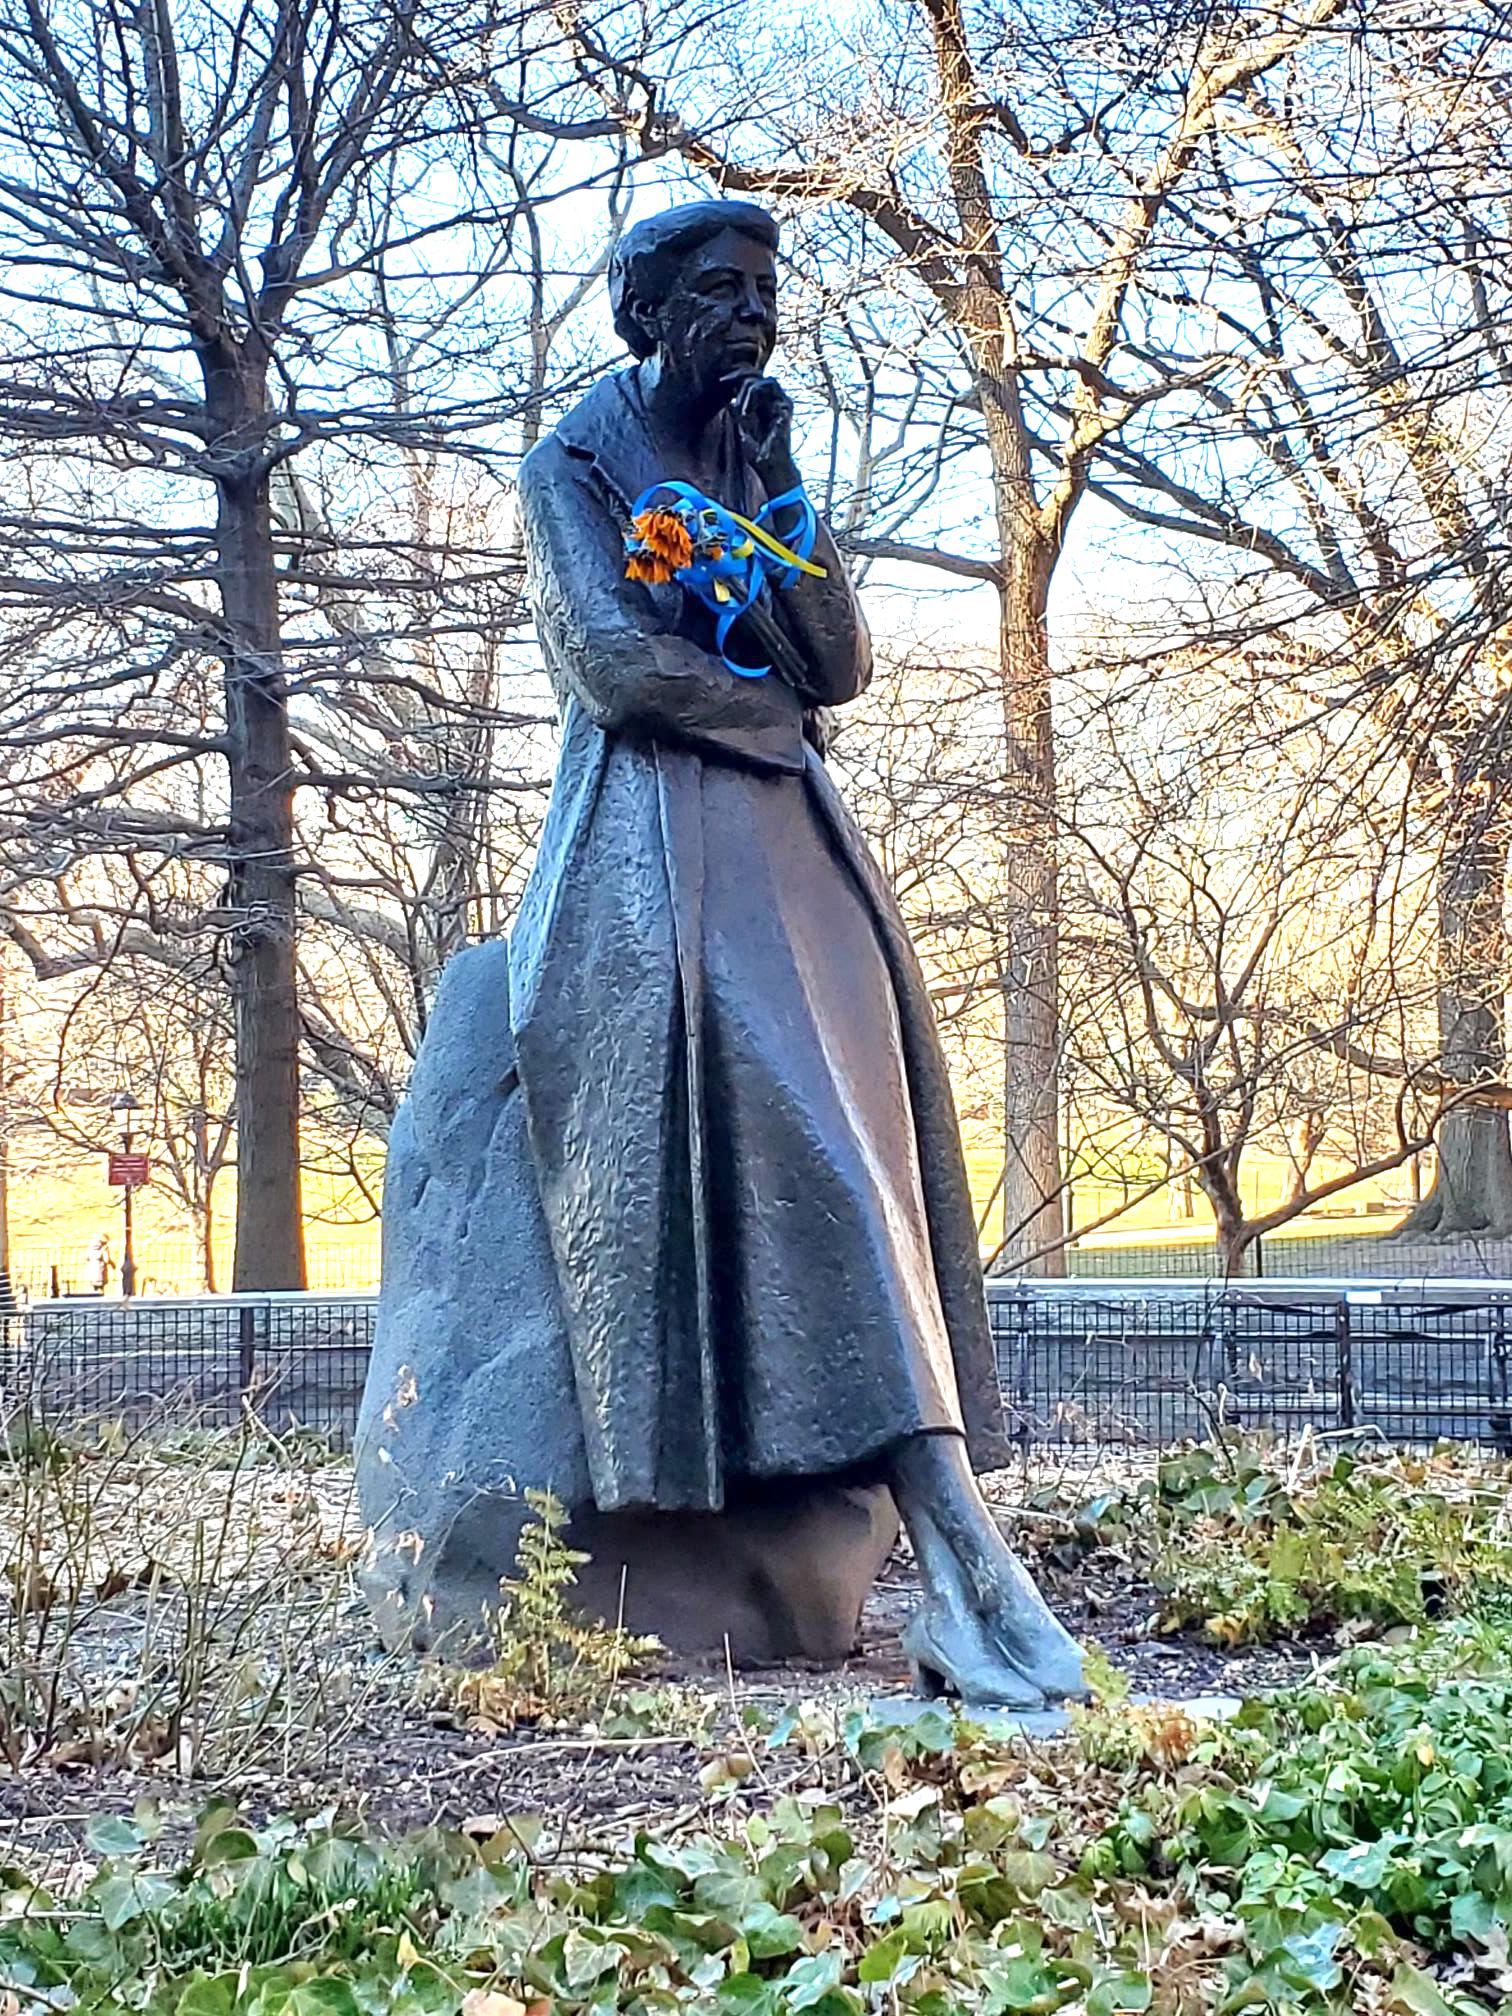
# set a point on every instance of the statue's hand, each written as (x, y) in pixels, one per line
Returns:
(765, 416)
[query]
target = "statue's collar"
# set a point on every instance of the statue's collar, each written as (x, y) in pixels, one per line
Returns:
(607, 427)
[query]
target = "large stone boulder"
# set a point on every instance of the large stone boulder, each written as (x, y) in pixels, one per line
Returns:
(470, 1401)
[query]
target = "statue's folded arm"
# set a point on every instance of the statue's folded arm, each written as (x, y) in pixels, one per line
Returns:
(823, 619)
(606, 642)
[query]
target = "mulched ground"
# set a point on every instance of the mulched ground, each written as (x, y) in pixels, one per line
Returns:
(401, 1764)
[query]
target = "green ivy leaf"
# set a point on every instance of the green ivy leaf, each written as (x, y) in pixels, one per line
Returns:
(1027, 1873)
(1019, 1987)
(809, 1980)
(1113, 1994)
(207, 1995)
(1310, 1955)
(746, 1995)
(121, 1900)
(328, 1995)
(880, 1962)
(112, 1834)
(229, 1844)
(1363, 1865)
(769, 1933)
(1420, 1995)
(586, 1959)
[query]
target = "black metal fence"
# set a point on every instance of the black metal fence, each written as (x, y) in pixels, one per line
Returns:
(1152, 1362)
(298, 1361)
(1343, 1255)
(1082, 1364)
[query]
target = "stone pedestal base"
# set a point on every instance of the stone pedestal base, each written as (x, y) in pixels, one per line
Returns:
(781, 1577)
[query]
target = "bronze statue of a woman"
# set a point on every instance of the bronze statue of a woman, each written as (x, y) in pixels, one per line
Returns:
(718, 1183)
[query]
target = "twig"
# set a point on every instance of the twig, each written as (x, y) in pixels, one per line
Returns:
(567, 1746)
(31, 1993)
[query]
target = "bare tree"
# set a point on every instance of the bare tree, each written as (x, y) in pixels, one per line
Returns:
(223, 235)
(1341, 476)
(1251, 929)
(921, 756)
(133, 1025)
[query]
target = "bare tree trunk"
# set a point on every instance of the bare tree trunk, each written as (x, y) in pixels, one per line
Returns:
(1472, 1189)
(1306, 1134)
(260, 882)
(1231, 1229)
(455, 863)
(1032, 1214)
(207, 1243)
(1472, 1186)
(1234, 1241)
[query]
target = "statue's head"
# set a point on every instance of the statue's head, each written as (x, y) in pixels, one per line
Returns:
(698, 285)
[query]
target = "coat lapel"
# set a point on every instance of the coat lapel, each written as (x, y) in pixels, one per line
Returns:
(608, 434)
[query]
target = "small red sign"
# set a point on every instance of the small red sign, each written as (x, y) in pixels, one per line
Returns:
(129, 1172)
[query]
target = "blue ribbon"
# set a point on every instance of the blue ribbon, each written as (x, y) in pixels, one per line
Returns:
(743, 564)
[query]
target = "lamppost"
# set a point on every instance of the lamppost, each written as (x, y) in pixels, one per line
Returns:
(126, 1103)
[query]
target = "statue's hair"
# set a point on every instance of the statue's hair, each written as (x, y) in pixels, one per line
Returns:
(646, 259)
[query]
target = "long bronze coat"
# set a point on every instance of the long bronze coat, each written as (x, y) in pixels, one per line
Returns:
(737, 1106)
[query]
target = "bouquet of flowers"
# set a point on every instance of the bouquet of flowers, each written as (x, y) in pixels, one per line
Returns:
(678, 534)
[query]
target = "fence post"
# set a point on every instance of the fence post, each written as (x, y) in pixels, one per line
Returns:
(1346, 1363)
(247, 1347)
(1220, 1332)
(1011, 1351)
(1499, 1421)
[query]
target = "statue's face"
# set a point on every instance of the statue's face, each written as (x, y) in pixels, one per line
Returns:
(719, 320)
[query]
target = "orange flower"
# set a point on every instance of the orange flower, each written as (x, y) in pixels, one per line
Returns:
(665, 546)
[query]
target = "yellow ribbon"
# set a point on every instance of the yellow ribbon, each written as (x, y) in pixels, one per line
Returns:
(783, 553)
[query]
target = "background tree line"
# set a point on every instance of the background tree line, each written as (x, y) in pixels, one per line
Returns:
(1154, 368)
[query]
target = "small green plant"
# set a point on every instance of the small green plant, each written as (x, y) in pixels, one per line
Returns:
(30, 1444)
(1108, 1684)
(666, 1709)
(280, 1919)
(1368, 1817)
(1246, 1543)
(551, 1661)
(1344, 1847)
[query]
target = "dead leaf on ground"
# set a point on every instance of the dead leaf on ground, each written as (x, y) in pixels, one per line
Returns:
(489, 2002)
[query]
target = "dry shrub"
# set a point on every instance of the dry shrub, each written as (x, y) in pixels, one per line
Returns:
(173, 1597)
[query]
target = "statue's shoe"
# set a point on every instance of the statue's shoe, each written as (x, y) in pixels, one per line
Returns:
(1030, 1638)
(955, 1654)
